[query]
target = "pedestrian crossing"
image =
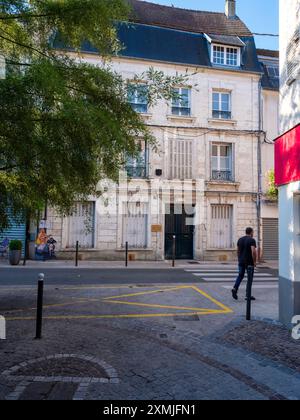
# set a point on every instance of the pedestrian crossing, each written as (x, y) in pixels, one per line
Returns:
(228, 274)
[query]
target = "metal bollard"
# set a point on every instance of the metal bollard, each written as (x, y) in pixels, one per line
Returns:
(39, 311)
(250, 273)
(76, 254)
(174, 251)
(126, 254)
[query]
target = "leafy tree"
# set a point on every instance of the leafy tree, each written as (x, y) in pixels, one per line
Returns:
(64, 124)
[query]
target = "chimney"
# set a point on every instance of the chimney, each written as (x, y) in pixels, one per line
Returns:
(230, 9)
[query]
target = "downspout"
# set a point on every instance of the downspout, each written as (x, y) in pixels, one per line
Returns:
(259, 169)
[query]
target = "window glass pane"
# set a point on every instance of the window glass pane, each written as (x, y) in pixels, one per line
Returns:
(216, 101)
(175, 101)
(231, 56)
(181, 105)
(215, 150)
(218, 55)
(225, 102)
(137, 97)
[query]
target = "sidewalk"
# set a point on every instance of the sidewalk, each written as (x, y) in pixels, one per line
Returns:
(142, 265)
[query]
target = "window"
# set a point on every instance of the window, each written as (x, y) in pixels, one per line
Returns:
(137, 167)
(221, 226)
(138, 97)
(221, 105)
(135, 225)
(180, 159)
(293, 58)
(221, 162)
(273, 71)
(81, 225)
(225, 56)
(218, 55)
(182, 104)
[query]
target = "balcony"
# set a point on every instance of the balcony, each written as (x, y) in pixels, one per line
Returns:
(222, 176)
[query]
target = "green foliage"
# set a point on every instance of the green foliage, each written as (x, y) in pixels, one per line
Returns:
(64, 124)
(15, 245)
(273, 190)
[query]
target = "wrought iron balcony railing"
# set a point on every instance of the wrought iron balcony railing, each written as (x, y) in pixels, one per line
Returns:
(222, 176)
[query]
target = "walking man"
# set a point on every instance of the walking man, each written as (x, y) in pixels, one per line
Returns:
(247, 256)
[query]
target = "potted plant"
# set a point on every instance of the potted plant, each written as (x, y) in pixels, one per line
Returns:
(15, 252)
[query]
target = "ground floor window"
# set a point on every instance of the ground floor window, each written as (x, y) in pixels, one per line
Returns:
(221, 226)
(81, 225)
(135, 225)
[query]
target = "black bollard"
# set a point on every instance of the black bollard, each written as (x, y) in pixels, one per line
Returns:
(76, 254)
(250, 273)
(39, 311)
(174, 251)
(126, 254)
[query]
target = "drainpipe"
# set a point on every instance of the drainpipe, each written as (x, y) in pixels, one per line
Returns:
(259, 169)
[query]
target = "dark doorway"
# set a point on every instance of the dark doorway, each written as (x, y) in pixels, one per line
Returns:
(178, 223)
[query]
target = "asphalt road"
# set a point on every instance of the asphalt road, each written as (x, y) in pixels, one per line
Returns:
(59, 276)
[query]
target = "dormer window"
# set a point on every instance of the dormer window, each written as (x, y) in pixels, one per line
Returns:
(225, 56)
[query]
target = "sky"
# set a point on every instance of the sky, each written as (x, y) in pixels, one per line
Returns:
(261, 16)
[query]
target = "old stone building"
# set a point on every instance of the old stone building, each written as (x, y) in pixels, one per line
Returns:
(205, 183)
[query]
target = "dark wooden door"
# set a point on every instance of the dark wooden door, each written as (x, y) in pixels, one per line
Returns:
(176, 224)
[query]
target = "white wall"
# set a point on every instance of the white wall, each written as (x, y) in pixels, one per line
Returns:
(290, 95)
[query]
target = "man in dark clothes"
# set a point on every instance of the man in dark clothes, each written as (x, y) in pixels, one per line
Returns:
(247, 260)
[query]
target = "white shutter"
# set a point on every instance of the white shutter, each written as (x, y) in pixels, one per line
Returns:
(81, 225)
(181, 159)
(135, 225)
(221, 226)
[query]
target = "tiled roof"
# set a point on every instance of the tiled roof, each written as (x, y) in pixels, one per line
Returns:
(227, 40)
(187, 20)
(174, 46)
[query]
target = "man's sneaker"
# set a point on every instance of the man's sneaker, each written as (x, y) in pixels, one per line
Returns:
(252, 298)
(235, 294)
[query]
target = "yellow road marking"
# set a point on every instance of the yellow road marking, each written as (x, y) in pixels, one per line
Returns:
(159, 306)
(148, 293)
(196, 311)
(216, 302)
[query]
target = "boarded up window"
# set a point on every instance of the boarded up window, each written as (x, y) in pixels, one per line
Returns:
(135, 225)
(221, 226)
(181, 159)
(81, 225)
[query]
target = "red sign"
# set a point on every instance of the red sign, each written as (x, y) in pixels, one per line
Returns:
(287, 157)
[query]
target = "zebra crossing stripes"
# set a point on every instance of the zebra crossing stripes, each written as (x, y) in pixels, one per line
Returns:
(228, 274)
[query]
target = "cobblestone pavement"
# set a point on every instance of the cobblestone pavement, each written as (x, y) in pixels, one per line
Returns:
(151, 342)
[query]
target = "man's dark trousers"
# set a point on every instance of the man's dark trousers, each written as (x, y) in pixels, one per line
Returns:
(242, 270)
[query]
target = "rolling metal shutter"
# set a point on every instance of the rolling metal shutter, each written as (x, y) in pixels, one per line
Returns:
(270, 239)
(17, 230)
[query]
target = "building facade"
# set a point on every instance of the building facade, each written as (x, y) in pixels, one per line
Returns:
(287, 160)
(205, 181)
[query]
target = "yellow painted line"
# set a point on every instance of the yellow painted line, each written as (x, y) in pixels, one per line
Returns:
(148, 293)
(159, 306)
(219, 304)
(55, 305)
(87, 317)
